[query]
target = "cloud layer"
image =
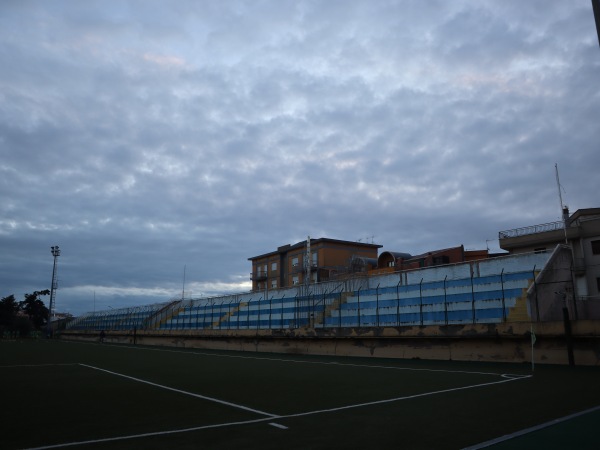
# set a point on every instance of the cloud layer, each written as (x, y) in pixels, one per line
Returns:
(143, 137)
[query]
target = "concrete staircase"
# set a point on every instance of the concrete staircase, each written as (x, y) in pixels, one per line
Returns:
(334, 306)
(155, 320)
(519, 313)
(228, 315)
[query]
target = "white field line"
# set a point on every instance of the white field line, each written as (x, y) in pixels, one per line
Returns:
(265, 419)
(39, 365)
(531, 429)
(407, 397)
(191, 394)
(277, 425)
(156, 433)
(294, 361)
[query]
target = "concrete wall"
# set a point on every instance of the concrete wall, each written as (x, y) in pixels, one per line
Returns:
(485, 267)
(506, 342)
(479, 268)
(492, 266)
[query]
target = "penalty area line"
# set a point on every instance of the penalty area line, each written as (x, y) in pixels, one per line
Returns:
(407, 397)
(191, 394)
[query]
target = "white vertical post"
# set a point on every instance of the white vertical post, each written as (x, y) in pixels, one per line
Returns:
(532, 342)
(308, 261)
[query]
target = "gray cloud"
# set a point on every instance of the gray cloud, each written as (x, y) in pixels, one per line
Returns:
(143, 137)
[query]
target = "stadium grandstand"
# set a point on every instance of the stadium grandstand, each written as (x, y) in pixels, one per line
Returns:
(477, 292)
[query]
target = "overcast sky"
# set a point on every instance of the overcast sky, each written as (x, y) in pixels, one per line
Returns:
(143, 137)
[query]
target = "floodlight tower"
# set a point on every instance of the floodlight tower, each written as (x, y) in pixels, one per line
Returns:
(56, 253)
(596, 8)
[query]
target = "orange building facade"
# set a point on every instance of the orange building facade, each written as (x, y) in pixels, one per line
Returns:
(394, 261)
(290, 265)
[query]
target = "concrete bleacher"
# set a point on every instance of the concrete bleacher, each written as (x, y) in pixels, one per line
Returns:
(486, 291)
(299, 311)
(117, 319)
(470, 300)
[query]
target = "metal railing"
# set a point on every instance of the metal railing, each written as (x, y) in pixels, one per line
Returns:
(260, 275)
(533, 229)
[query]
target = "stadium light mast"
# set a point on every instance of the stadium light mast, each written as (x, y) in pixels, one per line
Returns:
(596, 9)
(55, 253)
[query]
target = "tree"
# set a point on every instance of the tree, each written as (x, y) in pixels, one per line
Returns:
(35, 309)
(23, 316)
(8, 312)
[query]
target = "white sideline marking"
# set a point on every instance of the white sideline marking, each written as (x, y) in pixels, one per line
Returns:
(507, 437)
(325, 363)
(212, 399)
(277, 425)
(160, 433)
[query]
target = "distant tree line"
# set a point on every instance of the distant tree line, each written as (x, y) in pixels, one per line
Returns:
(23, 318)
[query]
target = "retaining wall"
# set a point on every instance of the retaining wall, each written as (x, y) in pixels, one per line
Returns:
(504, 342)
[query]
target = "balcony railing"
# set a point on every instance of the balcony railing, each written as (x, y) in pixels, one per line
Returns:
(260, 275)
(534, 229)
(302, 268)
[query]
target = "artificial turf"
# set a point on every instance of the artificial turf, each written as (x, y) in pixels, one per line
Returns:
(55, 392)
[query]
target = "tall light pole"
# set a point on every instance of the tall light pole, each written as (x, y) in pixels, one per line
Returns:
(596, 8)
(56, 254)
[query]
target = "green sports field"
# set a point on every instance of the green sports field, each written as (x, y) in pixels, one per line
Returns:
(89, 395)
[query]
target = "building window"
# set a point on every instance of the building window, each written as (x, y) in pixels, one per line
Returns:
(295, 279)
(295, 261)
(261, 271)
(314, 259)
(273, 267)
(439, 260)
(273, 283)
(596, 247)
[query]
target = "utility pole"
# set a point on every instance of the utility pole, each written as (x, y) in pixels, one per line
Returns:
(55, 253)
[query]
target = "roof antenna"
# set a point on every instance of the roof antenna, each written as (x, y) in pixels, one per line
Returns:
(563, 209)
(183, 290)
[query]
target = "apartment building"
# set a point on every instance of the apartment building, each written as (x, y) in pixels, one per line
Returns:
(580, 231)
(318, 259)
